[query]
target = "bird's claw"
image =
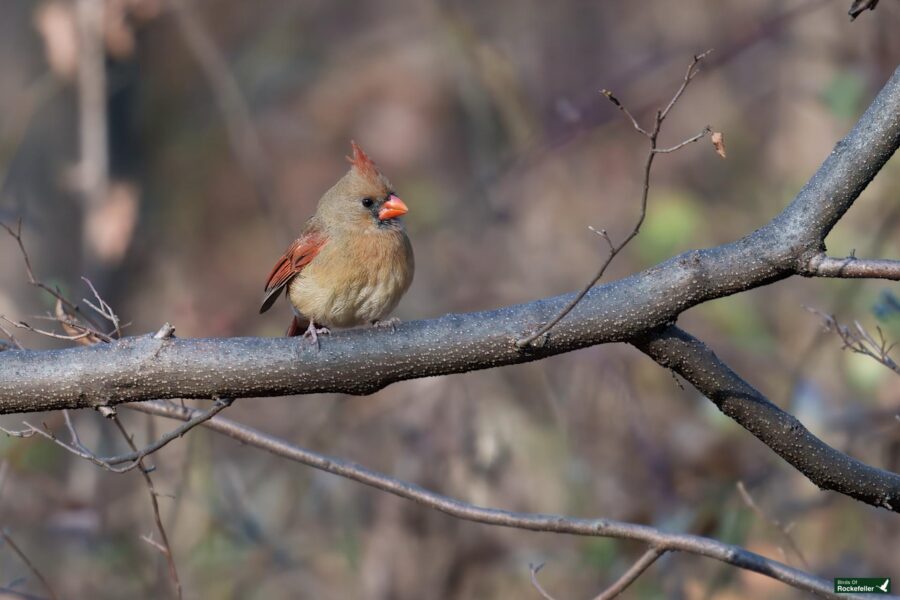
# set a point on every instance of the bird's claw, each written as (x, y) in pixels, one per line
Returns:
(312, 333)
(387, 324)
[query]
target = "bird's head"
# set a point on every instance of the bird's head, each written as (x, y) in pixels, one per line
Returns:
(363, 198)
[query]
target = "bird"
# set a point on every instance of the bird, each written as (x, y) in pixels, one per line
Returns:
(352, 261)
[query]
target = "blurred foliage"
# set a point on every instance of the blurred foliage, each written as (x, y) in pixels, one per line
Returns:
(488, 120)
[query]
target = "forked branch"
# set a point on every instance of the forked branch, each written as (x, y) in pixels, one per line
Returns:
(652, 136)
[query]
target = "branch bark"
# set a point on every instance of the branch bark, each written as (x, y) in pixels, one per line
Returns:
(661, 540)
(639, 309)
(363, 361)
(828, 468)
(854, 268)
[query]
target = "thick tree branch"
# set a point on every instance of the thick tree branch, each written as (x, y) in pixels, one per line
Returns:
(363, 361)
(662, 541)
(825, 466)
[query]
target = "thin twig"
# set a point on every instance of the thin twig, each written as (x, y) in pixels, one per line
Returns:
(535, 569)
(630, 576)
(104, 310)
(652, 136)
(219, 405)
(774, 523)
(134, 458)
(11, 338)
(16, 234)
(44, 332)
(149, 539)
(853, 268)
(74, 447)
(621, 584)
(166, 547)
(679, 146)
(73, 308)
(634, 122)
(860, 341)
(31, 567)
(727, 553)
(692, 71)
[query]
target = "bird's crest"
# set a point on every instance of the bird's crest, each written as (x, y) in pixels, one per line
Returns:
(361, 162)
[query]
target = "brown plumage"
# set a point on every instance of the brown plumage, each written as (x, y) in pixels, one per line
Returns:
(352, 261)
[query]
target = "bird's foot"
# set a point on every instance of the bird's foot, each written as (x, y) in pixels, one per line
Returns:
(387, 323)
(312, 333)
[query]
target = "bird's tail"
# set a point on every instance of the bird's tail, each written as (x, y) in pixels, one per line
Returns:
(297, 327)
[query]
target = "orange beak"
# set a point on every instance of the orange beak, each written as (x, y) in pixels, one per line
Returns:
(394, 207)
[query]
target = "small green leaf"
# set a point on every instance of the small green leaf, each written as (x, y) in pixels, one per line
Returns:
(844, 94)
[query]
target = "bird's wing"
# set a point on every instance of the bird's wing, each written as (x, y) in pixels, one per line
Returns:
(298, 255)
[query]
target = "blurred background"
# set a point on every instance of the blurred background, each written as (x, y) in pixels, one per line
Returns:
(170, 152)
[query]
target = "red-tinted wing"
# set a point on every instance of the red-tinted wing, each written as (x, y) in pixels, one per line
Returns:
(297, 256)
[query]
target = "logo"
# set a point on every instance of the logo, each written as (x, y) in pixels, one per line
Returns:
(862, 585)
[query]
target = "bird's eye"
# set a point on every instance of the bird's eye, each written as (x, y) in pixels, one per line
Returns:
(368, 202)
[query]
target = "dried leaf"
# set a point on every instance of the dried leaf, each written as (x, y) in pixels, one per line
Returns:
(718, 142)
(72, 325)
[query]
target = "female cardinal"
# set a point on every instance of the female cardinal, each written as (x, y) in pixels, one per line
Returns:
(352, 261)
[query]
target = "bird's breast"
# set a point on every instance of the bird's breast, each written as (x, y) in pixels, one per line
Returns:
(355, 281)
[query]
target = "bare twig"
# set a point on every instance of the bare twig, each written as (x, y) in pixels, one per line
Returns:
(785, 531)
(535, 569)
(11, 338)
(164, 546)
(16, 234)
(634, 122)
(219, 405)
(652, 136)
(73, 326)
(690, 140)
(691, 72)
(58, 336)
(75, 323)
(630, 576)
(727, 553)
(31, 567)
(149, 539)
(104, 309)
(167, 331)
(621, 584)
(74, 447)
(134, 458)
(65, 306)
(853, 268)
(860, 341)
